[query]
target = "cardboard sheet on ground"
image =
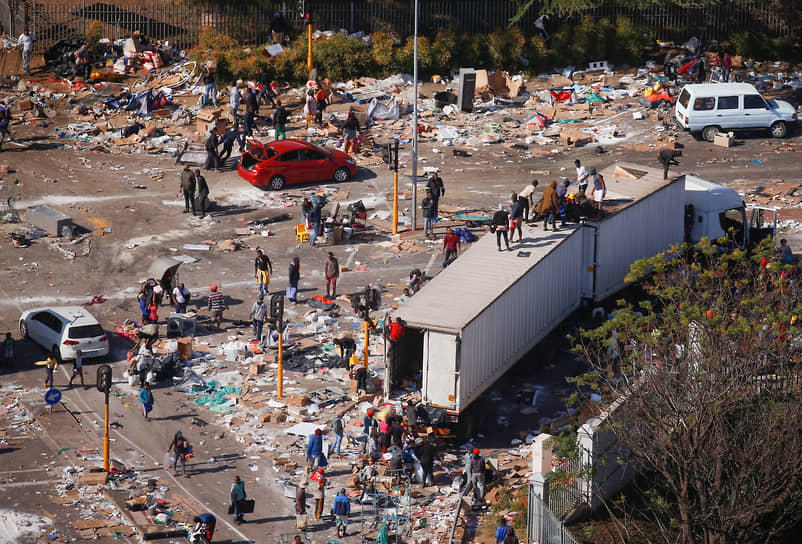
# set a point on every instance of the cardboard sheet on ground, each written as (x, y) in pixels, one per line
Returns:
(481, 81)
(305, 429)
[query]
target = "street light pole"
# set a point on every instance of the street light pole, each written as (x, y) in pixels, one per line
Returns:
(415, 125)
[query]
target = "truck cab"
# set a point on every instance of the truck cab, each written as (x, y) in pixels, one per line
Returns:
(714, 211)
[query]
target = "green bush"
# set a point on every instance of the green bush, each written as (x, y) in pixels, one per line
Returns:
(783, 48)
(505, 48)
(382, 53)
(341, 58)
(750, 44)
(444, 51)
(629, 43)
(404, 57)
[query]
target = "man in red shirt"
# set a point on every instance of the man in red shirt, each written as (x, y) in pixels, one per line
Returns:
(395, 330)
(451, 246)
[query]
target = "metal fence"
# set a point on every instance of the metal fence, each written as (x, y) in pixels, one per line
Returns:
(542, 525)
(565, 498)
(248, 22)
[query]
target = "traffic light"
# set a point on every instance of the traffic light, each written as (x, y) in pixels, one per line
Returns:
(277, 307)
(300, 7)
(104, 378)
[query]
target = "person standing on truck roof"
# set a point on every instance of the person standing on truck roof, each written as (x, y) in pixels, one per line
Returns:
(501, 223)
(581, 177)
(451, 247)
(549, 206)
(599, 188)
(668, 157)
(526, 197)
(516, 219)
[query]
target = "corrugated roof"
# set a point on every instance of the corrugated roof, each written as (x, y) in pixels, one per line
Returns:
(453, 298)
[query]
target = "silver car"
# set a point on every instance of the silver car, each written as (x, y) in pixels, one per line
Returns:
(63, 330)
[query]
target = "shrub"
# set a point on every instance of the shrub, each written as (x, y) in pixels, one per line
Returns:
(750, 44)
(291, 64)
(782, 48)
(505, 48)
(444, 51)
(629, 43)
(340, 57)
(93, 33)
(382, 53)
(404, 57)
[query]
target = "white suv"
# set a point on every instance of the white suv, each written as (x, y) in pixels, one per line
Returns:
(63, 330)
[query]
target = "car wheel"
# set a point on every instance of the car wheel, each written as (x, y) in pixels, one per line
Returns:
(23, 329)
(709, 133)
(341, 174)
(276, 183)
(779, 129)
(66, 231)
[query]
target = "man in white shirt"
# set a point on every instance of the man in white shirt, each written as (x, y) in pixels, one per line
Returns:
(180, 296)
(234, 101)
(525, 196)
(581, 177)
(26, 40)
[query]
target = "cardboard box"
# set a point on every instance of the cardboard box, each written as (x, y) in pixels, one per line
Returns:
(185, 348)
(256, 368)
(724, 139)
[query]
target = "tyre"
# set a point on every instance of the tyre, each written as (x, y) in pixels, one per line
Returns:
(276, 183)
(341, 174)
(779, 129)
(23, 329)
(66, 231)
(709, 133)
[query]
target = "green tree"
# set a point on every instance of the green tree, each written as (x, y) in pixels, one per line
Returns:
(706, 372)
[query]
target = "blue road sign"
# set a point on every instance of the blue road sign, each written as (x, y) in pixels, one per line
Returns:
(53, 396)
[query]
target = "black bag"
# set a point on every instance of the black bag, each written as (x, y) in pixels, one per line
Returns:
(246, 507)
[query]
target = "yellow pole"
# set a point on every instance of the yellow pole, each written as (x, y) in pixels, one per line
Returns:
(395, 202)
(309, 42)
(106, 438)
(280, 392)
(367, 342)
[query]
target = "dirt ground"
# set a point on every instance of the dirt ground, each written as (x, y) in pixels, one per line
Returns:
(130, 205)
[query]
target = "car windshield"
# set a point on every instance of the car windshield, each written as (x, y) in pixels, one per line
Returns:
(86, 331)
(322, 149)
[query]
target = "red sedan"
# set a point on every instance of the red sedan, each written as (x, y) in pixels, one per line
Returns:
(272, 165)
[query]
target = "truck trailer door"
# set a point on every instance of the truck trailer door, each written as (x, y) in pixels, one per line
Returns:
(440, 375)
(590, 237)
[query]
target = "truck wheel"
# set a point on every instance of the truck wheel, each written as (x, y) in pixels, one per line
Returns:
(709, 133)
(779, 129)
(276, 183)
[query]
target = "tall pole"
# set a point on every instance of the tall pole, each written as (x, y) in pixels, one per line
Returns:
(366, 354)
(106, 436)
(415, 126)
(280, 377)
(395, 187)
(309, 44)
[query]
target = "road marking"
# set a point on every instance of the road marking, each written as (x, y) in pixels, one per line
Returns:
(158, 463)
(22, 471)
(351, 257)
(28, 484)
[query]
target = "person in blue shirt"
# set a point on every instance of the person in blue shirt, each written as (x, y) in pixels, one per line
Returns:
(232, 135)
(205, 522)
(146, 398)
(341, 511)
(501, 532)
(236, 496)
(314, 449)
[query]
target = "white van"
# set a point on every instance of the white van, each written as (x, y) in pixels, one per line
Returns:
(709, 108)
